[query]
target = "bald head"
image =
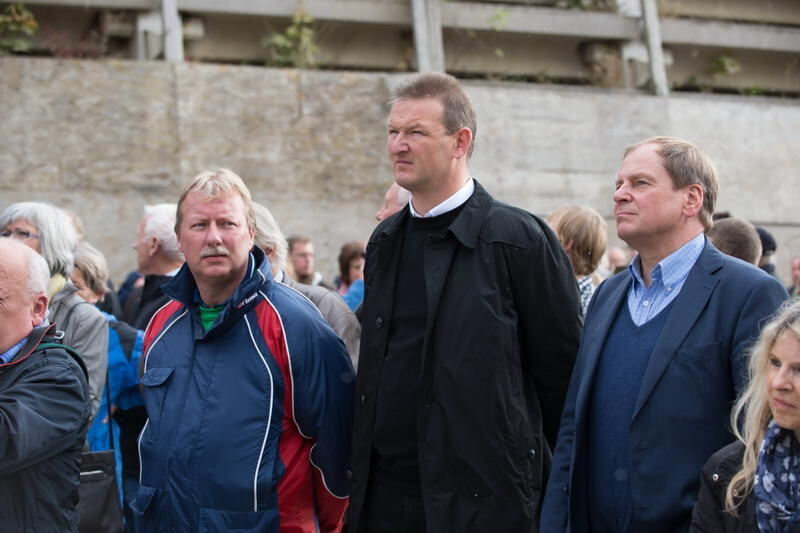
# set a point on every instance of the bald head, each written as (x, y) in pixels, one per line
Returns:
(394, 200)
(23, 291)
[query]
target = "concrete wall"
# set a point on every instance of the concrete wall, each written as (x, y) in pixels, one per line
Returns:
(104, 138)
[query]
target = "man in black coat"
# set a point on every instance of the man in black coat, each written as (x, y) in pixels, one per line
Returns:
(469, 334)
(44, 404)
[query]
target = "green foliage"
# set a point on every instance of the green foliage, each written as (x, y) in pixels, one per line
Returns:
(295, 46)
(499, 19)
(724, 65)
(17, 24)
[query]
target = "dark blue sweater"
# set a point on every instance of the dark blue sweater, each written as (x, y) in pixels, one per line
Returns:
(616, 386)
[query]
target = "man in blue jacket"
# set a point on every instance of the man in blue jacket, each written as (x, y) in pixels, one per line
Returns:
(663, 354)
(247, 389)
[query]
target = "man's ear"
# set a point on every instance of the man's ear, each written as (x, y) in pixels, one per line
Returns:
(693, 201)
(39, 311)
(463, 142)
(153, 244)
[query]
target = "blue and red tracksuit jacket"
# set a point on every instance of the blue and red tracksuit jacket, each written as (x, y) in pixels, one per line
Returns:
(249, 422)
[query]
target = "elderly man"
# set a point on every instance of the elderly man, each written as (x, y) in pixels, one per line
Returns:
(44, 404)
(47, 230)
(663, 354)
(395, 199)
(157, 259)
(470, 326)
(269, 237)
(247, 389)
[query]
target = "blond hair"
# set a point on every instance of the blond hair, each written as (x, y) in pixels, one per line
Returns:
(752, 407)
(586, 230)
(92, 265)
(215, 184)
(687, 165)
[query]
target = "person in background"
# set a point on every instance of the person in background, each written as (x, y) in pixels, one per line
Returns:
(269, 237)
(582, 232)
(44, 404)
(302, 260)
(794, 288)
(768, 248)
(90, 277)
(47, 230)
(350, 283)
(157, 259)
(109, 303)
(737, 238)
(395, 199)
(753, 484)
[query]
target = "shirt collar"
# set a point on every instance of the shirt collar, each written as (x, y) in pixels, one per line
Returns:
(673, 268)
(9, 354)
(460, 197)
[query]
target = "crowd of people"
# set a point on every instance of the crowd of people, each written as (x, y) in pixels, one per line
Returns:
(472, 368)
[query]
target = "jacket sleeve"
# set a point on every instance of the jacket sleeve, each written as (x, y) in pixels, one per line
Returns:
(323, 382)
(555, 507)
(707, 513)
(549, 309)
(42, 413)
(344, 323)
(89, 337)
(764, 299)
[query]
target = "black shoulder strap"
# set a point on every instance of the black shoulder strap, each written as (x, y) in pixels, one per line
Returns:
(77, 357)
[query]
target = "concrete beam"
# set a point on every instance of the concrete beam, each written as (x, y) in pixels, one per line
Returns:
(489, 17)
(730, 35)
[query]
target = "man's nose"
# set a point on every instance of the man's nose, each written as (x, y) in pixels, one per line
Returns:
(213, 234)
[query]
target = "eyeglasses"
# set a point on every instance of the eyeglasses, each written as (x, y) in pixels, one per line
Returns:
(20, 234)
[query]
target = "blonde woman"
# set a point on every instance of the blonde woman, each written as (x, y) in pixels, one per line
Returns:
(752, 484)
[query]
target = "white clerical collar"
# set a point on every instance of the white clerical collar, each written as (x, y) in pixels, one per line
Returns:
(460, 197)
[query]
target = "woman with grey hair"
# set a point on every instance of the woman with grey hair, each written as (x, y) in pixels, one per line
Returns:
(45, 229)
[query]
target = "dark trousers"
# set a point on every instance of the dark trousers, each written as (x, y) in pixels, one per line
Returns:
(392, 510)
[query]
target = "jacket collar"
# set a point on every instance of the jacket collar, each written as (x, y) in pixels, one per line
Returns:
(466, 227)
(183, 288)
(34, 339)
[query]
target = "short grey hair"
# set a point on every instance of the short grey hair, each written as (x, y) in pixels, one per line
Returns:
(269, 235)
(38, 273)
(159, 222)
(57, 235)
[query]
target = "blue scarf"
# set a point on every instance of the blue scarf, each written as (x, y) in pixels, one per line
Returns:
(776, 486)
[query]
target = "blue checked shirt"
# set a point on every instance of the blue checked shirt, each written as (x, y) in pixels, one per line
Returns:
(667, 277)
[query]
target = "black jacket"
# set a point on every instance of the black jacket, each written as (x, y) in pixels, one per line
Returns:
(709, 514)
(44, 412)
(501, 337)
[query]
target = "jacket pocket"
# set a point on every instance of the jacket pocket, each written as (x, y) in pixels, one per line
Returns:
(144, 510)
(695, 353)
(154, 383)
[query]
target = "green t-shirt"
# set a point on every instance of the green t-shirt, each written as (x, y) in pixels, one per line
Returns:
(208, 315)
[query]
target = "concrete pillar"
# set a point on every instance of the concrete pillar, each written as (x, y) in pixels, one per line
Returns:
(427, 17)
(173, 32)
(652, 30)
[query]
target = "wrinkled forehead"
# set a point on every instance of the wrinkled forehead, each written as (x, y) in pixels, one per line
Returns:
(201, 203)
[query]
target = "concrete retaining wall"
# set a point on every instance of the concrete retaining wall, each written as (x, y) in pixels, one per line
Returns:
(104, 138)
